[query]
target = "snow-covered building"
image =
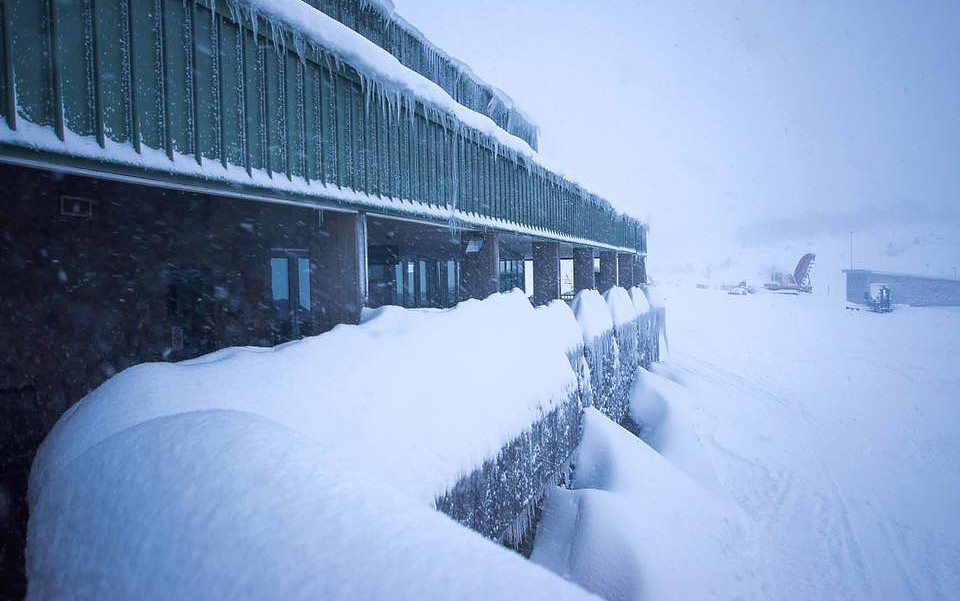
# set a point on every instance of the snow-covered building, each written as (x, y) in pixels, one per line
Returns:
(905, 289)
(179, 177)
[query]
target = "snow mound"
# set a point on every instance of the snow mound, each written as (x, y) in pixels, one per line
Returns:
(635, 527)
(558, 327)
(592, 314)
(231, 505)
(640, 303)
(621, 306)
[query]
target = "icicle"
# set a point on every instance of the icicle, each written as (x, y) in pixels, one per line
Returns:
(300, 47)
(254, 21)
(236, 11)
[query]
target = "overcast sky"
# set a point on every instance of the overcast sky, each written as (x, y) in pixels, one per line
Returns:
(720, 121)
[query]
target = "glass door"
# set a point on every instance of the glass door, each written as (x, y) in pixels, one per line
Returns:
(290, 273)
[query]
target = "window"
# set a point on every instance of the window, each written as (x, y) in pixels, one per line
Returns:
(290, 273)
(512, 275)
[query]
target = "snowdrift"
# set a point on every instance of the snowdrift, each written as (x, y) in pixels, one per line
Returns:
(308, 470)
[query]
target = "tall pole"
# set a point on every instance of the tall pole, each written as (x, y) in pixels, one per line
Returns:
(851, 249)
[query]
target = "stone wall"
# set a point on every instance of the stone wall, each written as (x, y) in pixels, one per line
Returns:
(500, 499)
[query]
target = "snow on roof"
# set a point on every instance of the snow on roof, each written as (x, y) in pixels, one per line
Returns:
(376, 65)
(592, 313)
(381, 71)
(640, 303)
(506, 102)
(621, 306)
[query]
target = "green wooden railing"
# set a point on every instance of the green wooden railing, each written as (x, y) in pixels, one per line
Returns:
(193, 78)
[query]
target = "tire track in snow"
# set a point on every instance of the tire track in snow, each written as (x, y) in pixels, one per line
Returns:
(835, 527)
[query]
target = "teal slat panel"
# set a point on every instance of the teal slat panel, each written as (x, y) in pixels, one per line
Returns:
(206, 81)
(110, 66)
(311, 121)
(414, 145)
(294, 106)
(32, 64)
(440, 164)
(328, 125)
(395, 141)
(422, 193)
(403, 155)
(357, 136)
(275, 110)
(376, 162)
(231, 92)
(342, 145)
(430, 149)
(178, 80)
(253, 101)
(75, 63)
(146, 51)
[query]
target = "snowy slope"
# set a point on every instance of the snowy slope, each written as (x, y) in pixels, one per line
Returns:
(794, 450)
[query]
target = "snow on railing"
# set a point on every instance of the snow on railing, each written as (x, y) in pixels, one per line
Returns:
(416, 397)
(600, 347)
(474, 410)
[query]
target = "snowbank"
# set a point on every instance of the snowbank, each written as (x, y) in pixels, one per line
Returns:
(621, 306)
(558, 327)
(592, 314)
(231, 505)
(408, 395)
(633, 526)
(304, 471)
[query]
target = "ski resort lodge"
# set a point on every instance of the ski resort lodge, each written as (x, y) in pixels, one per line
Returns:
(182, 176)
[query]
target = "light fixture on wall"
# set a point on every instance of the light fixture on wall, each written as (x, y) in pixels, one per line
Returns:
(474, 243)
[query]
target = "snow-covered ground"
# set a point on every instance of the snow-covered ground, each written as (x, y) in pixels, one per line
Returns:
(797, 450)
(790, 449)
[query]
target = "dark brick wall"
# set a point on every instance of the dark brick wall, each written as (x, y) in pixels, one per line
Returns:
(83, 297)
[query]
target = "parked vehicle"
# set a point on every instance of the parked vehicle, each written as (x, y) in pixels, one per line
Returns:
(878, 298)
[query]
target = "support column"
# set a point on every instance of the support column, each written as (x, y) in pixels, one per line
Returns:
(582, 269)
(480, 271)
(608, 270)
(546, 272)
(625, 269)
(341, 268)
(640, 271)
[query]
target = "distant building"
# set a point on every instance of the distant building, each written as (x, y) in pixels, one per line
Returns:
(906, 289)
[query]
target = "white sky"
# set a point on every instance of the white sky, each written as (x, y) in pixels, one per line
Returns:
(714, 119)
